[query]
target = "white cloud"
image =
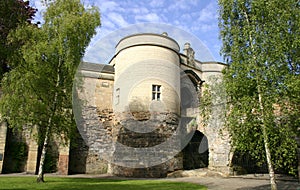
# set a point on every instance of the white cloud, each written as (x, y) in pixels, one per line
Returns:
(117, 19)
(39, 5)
(194, 2)
(41, 9)
(107, 6)
(206, 27)
(107, 23)
(208, 13)
(181, 5)
(156, 3)
(186, 17)
(151, 17)
(139, 10)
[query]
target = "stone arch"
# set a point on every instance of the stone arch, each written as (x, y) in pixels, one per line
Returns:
(195, 154)
(190, 85)
(196, 80)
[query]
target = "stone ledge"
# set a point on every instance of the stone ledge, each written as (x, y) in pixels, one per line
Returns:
(202, 172)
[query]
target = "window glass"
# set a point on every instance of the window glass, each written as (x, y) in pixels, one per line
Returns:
(156, 93)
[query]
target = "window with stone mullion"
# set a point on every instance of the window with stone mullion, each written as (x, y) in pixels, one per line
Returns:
(156, 92)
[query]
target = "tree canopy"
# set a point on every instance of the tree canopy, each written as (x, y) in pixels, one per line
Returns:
(12, 14)
(261, 44)
(38, 90)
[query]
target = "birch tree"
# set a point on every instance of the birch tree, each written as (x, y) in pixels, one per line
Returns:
(261, 46)
(38, 91)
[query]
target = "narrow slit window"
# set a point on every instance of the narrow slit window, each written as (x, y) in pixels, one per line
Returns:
(117, 96)
(156, 92)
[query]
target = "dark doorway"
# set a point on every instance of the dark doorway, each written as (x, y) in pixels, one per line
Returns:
(195, 154)
(16, 151)
(78, 154)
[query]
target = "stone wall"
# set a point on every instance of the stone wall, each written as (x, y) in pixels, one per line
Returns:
(218, 137)
(96, 133)
(94, 122)
(141, 144)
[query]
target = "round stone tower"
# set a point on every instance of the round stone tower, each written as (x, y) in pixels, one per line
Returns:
(146, 104)
(143, 60)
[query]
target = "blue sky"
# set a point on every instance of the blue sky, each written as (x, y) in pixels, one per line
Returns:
(198, 18)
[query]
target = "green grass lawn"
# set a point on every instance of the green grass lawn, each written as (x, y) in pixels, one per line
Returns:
(60, 183)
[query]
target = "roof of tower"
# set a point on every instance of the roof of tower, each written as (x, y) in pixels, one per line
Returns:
(147, 39)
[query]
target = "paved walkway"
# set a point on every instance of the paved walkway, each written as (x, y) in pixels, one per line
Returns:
(234, 183)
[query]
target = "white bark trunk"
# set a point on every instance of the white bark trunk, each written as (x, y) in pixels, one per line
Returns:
(266, 143)
(40, 177)
(265, 135)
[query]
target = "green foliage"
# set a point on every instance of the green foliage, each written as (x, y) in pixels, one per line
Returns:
(94, 184)
(38, 90)
(261, 44)
(40, 85)
(12, 13)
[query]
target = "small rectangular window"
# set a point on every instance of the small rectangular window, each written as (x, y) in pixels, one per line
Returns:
(156, 92)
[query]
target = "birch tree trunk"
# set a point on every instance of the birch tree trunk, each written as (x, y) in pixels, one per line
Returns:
(261, 105)
(40, 177)
(266, 144)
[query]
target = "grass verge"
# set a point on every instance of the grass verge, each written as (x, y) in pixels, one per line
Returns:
(64, 183)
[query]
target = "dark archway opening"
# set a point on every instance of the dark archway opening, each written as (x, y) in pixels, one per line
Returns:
(195, 154)
(78, 154)
(16, 152)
